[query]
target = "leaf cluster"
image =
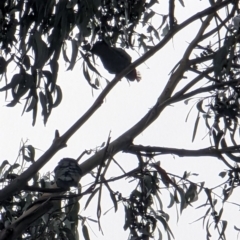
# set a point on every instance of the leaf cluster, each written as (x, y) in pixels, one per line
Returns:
(35, 33)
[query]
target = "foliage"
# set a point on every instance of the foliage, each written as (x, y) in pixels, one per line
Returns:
(47, 29)
(33, 36)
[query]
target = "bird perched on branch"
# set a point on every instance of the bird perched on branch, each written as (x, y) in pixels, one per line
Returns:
(114, 59)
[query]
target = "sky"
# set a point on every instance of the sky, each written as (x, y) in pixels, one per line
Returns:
(122, 108)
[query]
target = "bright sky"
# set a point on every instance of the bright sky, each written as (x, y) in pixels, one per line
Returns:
(123, 107)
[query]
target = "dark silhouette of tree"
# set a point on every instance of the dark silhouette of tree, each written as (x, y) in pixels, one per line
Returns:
(35, 34)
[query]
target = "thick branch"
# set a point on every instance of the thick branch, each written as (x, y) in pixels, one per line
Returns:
(204, 152)
(199, 60)
(192, 83)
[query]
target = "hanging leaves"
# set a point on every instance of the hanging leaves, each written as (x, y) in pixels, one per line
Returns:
(87, 76)
(195, 127)
(74, 54)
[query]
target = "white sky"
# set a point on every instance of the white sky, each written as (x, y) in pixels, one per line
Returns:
(123, 107)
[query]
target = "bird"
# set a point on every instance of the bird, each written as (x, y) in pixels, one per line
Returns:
(114, 59)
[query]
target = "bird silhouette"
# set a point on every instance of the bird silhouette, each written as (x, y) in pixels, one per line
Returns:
(114, 59)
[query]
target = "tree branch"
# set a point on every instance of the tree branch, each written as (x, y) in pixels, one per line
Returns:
(202, 90)
(193, 82)
(171, 14)
(204, 152)
(123, 142)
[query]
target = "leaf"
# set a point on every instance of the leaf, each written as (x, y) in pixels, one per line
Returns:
(31, 152)
(164, 176)
(172, 200)
(49, 76)
(69, 233)
(151, 3)
(74, 54)
(127, 218)
(217, 137)
(208, 192)
(191, 194)
(34, 112)
(165, 225)
(199, 106)
(218, 217)
(54, 69)
(222, 174)
(183, 203)
(187, 100)
(89, 64)
(41, 51)
(21, 88)
(165, 30)
(32, 104)
(26, 62)
(85, 232)
(159, 200)
(58, 99)
(113, 197)
(91, 197)
(151, 29)
(87, 76)
(207, 230)
(64, 52)
(43, 102)
(236, 228)
(227, 193)
(224, 226)
(201, 187)
(4, 163)
(164, 18)
(182, 3)
(49, 100)
(16, 79)
(147, 16)
(160, 234)
(26, 103)
(219, 60)
(148, 183)
(195, 127)
(155, 32)
(3, 65)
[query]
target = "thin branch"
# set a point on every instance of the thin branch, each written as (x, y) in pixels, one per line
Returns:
(171, 14)
(202, 90)
(201, 59)
(193, 82)
(43, 190)
(204, 152)
(213, 31)
(206, 76)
